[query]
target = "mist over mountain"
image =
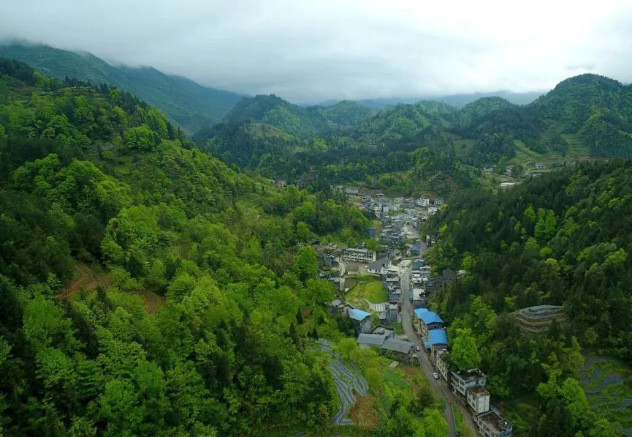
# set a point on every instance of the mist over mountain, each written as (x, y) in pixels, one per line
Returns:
(187, 103)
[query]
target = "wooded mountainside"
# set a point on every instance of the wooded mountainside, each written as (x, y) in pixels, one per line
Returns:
(585, 116)
(187, 103)
(91, 174)
(564, 240)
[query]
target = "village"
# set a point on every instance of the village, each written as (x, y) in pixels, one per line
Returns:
(401, 326)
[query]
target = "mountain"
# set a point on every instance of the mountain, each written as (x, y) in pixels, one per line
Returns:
(244, 143)
(297, 120)
(564, 240)
(456, 100)
(187, 103)
(148, 289)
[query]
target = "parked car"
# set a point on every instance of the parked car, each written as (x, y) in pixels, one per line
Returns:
(418, 348)
(435, 375)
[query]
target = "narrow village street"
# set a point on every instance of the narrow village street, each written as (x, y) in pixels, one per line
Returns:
(440, 387)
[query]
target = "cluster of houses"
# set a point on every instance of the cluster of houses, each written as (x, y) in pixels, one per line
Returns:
(468, 386)
(379, 337)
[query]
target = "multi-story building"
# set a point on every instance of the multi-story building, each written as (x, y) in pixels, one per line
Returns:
(443, 365)
(478, 399)
(358, 255)
(462, 380)
(492, 424)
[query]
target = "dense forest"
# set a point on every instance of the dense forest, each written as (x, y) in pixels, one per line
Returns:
(92, 176)
(187, 103)
(558, 240)
(590, 113)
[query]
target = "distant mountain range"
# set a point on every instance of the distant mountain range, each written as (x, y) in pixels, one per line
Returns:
(587, 115)
(190, 105)
(187, 103)
(456, 100)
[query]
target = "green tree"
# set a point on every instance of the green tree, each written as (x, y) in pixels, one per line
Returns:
(464, 352)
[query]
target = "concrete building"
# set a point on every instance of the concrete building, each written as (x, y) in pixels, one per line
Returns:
(379, 268)
(339, 306)
(442, 362)
(438, 342)
(478, 399)
(366, 341)
(399, 350)
(491, 424)
(392, 312)
(361, 319)
(428, 320)
(383, 330)
(463, 380)
(358, 255)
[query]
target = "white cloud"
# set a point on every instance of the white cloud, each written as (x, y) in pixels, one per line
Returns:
(326, 49)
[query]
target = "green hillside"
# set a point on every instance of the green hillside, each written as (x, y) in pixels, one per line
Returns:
(562, 239)
(190, 105)
(93, 179)
(296, 120)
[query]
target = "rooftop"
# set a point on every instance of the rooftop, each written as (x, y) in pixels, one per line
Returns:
(358, 315)
(372, 339)
(428, 317)
(495, 421)
(478, 390)
(397, 345)
(381, 330)
(377, 265)
(437, 337)
(420, 311)
(469, 374)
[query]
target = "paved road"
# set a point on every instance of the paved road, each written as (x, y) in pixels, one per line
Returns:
(440, 386)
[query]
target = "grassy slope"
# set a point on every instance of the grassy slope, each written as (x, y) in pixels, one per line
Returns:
(373, 291)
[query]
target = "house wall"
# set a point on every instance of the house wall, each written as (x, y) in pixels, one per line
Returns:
(365, 326)
(460, 385)
(479, 404)
(443, 368)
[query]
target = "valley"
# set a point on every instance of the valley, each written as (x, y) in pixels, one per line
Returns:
(245, 266)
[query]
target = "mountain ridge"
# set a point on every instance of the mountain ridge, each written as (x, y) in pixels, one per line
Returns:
(187, 103)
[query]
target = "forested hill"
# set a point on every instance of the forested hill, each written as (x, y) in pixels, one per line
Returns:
(95, 182)
(584, 116)
(562, 239)
(189, 104)
(296, 120)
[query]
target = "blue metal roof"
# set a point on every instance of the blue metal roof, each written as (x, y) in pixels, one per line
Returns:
(437, 336)
(420, 311)
(429, 317)
(358, 315)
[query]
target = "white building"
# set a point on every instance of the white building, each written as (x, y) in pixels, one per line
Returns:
(491, 424)
(358, 255)
(461, 381)
(478, 399)
(442, 364)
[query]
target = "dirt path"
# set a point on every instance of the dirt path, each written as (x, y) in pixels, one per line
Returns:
(86, 280)
(153, 301)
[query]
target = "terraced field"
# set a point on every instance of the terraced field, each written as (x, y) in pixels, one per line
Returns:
(608, 385)
(348, 380)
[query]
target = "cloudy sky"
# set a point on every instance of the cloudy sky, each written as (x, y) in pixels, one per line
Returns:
(310, 51)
